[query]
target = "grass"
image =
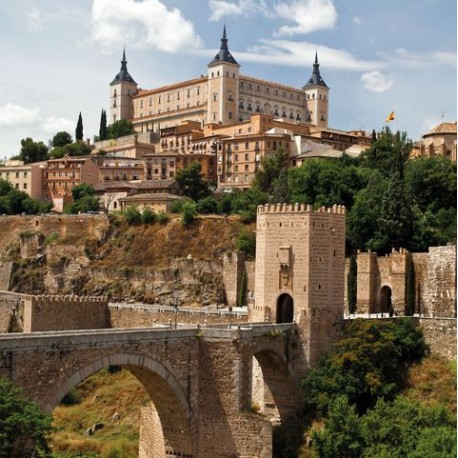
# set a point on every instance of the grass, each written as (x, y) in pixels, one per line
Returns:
(433, 382)
(102, 395)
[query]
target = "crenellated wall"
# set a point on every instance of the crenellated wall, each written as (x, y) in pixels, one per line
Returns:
(434, 282)
(57, 313)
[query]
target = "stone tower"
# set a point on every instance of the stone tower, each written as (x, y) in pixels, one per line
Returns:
(300, 271)
(223, 86)
(122, 89)
(317, 97)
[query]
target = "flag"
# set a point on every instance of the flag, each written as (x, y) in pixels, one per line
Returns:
(390, 117)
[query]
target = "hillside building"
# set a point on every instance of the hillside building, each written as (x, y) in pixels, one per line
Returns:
(24, 177)
(439, 141)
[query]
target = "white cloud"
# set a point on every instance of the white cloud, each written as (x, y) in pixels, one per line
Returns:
(142, 24)
(376, 81)
(357, 20)
(309, 15)
(223, 8)
(53, 124)
(302, 53)
(12, 115)
(34, 18)
(420, 60)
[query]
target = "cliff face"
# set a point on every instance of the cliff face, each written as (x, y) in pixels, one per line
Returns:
(161, 264)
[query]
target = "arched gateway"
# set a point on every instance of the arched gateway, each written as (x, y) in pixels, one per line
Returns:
(285, 308)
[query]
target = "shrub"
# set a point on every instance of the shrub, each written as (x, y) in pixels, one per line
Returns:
(189, 213)
(148, 216)
(162, 218)
(71, 398)
(133, 216)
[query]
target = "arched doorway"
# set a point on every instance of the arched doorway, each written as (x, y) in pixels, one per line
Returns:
(285, 308)
(386, 305)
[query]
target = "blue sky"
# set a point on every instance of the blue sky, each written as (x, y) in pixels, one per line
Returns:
(58, 56)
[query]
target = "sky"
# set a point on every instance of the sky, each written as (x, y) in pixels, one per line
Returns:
(59, 56)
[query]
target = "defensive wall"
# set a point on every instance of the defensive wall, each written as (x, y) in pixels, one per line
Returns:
(382, 282)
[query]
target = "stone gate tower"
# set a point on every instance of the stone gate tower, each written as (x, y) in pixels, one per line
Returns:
(300, 270)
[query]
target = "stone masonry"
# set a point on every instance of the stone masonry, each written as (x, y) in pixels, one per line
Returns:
(300, 262)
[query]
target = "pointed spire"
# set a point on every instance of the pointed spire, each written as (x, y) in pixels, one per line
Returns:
(315, 79)
(223, 54)
(123, 75)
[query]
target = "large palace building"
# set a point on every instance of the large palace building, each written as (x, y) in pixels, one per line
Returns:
(229, 122)
(224, 96)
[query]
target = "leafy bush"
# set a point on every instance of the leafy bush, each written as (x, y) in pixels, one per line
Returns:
(133, 215)
(189, 213)
(246, 242)
(23, 425)
(148, 216)
(71, 398)
(162, 217)
(370, 363)
(402, 428)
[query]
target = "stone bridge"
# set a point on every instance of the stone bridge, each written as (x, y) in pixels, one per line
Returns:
(200, 380)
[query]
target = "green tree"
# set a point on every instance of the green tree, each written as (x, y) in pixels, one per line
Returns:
(120, 128)
(207, 205)
(432, 183)
(103, 133)
(32, 151)
(79, 129)
(189, 213)
(369, 363)
(269, 171)
(325, 182)
(352, 284)
(388, 153)
(245, 203)
(191, 183)
(148, 216)
(404, 428)
(281, 193)
(246, 242)
(61, 139)
(133, 215)
(342, 434)
(395, 221)
(362, 217)
(84, 200)
(23, 425)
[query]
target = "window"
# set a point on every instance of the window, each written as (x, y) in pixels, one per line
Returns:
(17, 174)
(114, 93)
(215, 96)
(247, 145)
(17, 185)
(178, 95)
(150, 101)
(198, 91)
(230, 115)
(141, 103)
(168, 97)
(159, 100)
(246, 167)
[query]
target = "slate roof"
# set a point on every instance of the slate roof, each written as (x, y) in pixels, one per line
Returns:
(315, 79)
(223, 54)
(123, 75)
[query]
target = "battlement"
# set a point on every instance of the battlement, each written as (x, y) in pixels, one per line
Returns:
(299, 208)
(46, 299)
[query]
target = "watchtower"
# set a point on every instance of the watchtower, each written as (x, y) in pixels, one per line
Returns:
(300, 270)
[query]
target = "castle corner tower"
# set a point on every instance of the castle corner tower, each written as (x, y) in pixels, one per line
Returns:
(223, 86)
(122, 89)
(317, 97)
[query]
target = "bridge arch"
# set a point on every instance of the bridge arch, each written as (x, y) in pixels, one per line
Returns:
(173, 424)
(273, 390)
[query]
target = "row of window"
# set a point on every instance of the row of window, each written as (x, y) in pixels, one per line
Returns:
(169, 97)
(16, 174)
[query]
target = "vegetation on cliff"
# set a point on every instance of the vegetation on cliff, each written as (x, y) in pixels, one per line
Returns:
(23, 425)
(375, 396)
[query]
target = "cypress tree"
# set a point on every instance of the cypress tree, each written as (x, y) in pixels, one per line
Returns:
(352, 284)
(410, 287)
(79, 129)
(103, 126)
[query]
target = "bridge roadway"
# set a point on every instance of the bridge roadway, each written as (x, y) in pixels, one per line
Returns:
(200, 379)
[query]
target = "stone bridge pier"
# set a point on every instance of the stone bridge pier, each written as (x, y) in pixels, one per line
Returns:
(200, 381)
